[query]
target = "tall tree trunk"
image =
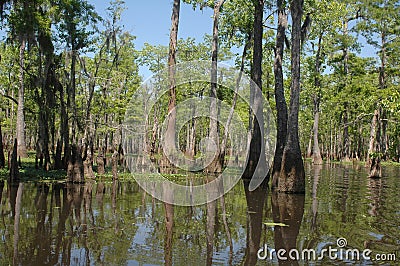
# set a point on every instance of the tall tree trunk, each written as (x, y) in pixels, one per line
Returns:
(100, 162)
(191, 138)
(42, 145)
(75, 170)
(317, 159)
(45, 101)
(346, 148)
(384, 137)
(153, 143)
(170, 133)
(292, 176)
(234, 101)
(375, 141)
(61, 162)
(373, 156)
(21, 101)
(346, 140)
(256, 168)
(2, 158)
(13, 165)
(372, 136)
(310, 141)
(281, 106)
(114, 167)
(72, 97)
(1, 189)
(382, 85)
(88, 156)
(398, 150)
(217, 164)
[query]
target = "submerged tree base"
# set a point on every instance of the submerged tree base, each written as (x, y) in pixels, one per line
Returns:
(75, 170)
(292, 175)
(317, 160)
(14, 171)
(376, 169)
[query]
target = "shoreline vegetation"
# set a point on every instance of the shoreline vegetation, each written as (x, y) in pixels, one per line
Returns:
(29, 173)
(70, 88)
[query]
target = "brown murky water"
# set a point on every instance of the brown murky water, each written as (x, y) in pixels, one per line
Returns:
(118, 224)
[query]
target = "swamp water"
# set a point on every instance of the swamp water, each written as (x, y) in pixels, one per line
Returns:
(108, 223)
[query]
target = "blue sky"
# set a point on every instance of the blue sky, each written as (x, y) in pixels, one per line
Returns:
(150, 21)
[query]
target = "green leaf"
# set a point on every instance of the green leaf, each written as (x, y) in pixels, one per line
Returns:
(276, 224)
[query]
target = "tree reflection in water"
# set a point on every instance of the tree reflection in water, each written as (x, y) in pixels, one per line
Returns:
(287, 209)
(255, 212)
(114, 223)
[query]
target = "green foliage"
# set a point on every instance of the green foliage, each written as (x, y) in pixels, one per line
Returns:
(107, 67)
(75, 21)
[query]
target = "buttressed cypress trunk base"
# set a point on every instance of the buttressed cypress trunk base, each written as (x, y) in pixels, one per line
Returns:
(292, 176)
(75, 170)
(375, 170)
(14, 171)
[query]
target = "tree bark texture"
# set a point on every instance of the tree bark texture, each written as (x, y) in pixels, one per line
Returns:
(88, 162)
(100, 162)
(217, 164)
(374, 148)
(372, 136)
(346, 140)
(281, 106)
(114, 166)
(2, 158)
(75, 170)
(21, 101)
(14, 171)
(292, 176)
(256, 165)
(170, 133)
(317, 158)
(309, 146)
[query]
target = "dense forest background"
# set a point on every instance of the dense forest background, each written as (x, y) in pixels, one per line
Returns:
(67, 76)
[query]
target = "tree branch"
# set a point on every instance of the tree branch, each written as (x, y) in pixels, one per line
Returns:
(9, 97)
